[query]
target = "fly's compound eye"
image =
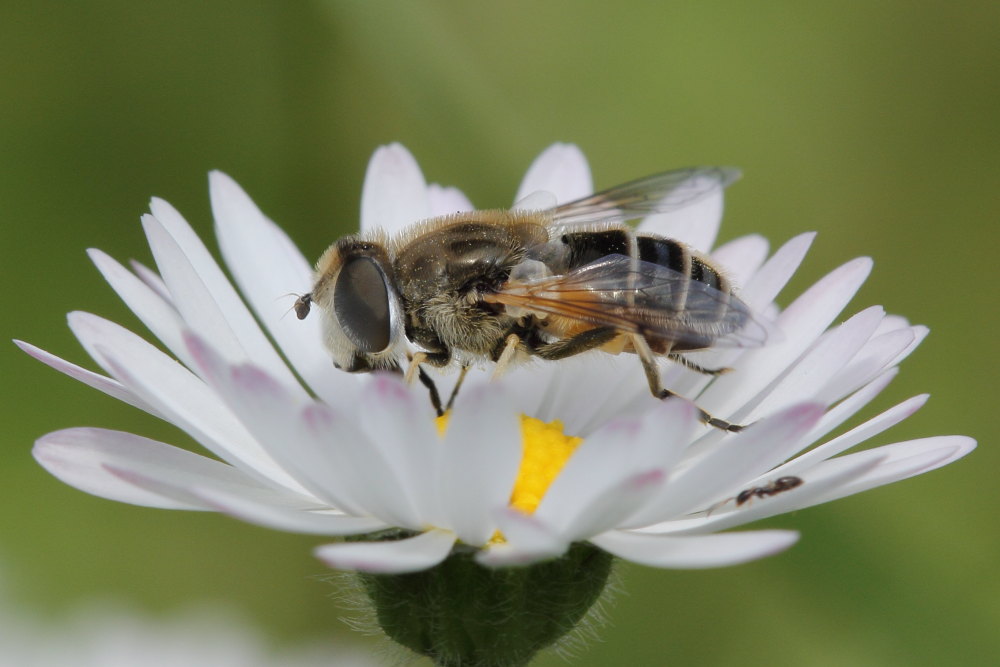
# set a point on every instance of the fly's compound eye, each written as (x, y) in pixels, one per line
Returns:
(361, 303)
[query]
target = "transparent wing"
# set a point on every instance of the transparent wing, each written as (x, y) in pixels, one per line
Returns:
(658, 193)
(639, 297)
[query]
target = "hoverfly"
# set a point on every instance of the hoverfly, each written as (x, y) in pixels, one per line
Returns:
(551, 283)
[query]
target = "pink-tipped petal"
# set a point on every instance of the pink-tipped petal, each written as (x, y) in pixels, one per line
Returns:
(411, 554)
(81, 457)
(202, 292)
(175, 392)
(272, 273)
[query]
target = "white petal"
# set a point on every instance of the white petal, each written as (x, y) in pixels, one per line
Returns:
(878, 354)
(726, 514)
(445, 201)
(81, 457)
(157, 313)
(898, 461)
(271, 271)
(334, 449)
(802, 323)
(850, 406)
(919, 334)
(740, 456)
(107, 385)
(482, 452)
(201, 291)
(273, 415)
(607, 510)
(826, 358)
(395, 193)
(527, 540)
(151, 278)
(767, 283)
(399, 422)
(562, 170)
(701, 551)
(391, 556)
(174, 392)
(695, 224)
(290, 520)
(742, 257)
(855, 436)
(611, 457)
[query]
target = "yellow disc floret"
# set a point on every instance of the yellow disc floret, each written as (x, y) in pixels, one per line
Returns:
(545, 451)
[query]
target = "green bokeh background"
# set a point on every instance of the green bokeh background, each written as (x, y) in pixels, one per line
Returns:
(874, 123)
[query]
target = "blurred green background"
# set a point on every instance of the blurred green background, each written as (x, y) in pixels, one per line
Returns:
(873, 123)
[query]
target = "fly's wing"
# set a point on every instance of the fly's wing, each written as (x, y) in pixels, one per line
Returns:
(658, 193)
(639, 297)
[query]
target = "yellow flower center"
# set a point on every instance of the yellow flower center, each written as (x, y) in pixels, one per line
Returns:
(545, 450)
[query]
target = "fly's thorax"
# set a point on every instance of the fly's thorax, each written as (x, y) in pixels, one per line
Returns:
(362, 318)
(445, 265)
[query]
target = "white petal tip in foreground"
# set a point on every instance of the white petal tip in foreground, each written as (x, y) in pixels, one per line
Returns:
(528, 541)
(410, 554)
(80, 456)
(696, 551)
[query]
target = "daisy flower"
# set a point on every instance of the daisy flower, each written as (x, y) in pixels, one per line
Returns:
(555, 462)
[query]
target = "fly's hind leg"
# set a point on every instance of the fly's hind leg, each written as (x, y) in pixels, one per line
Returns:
(581, 342)
(560, 349)
(687, 363)
(653, 378)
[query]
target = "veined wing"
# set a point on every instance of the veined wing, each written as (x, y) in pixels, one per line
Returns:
(667, 191)
(640, 297)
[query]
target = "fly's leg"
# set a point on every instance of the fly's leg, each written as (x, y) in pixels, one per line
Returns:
(506, 355)
(687, 363)
(653, 378)
(458, 385)
(416, 369)
(432, 389)
(581, 342)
